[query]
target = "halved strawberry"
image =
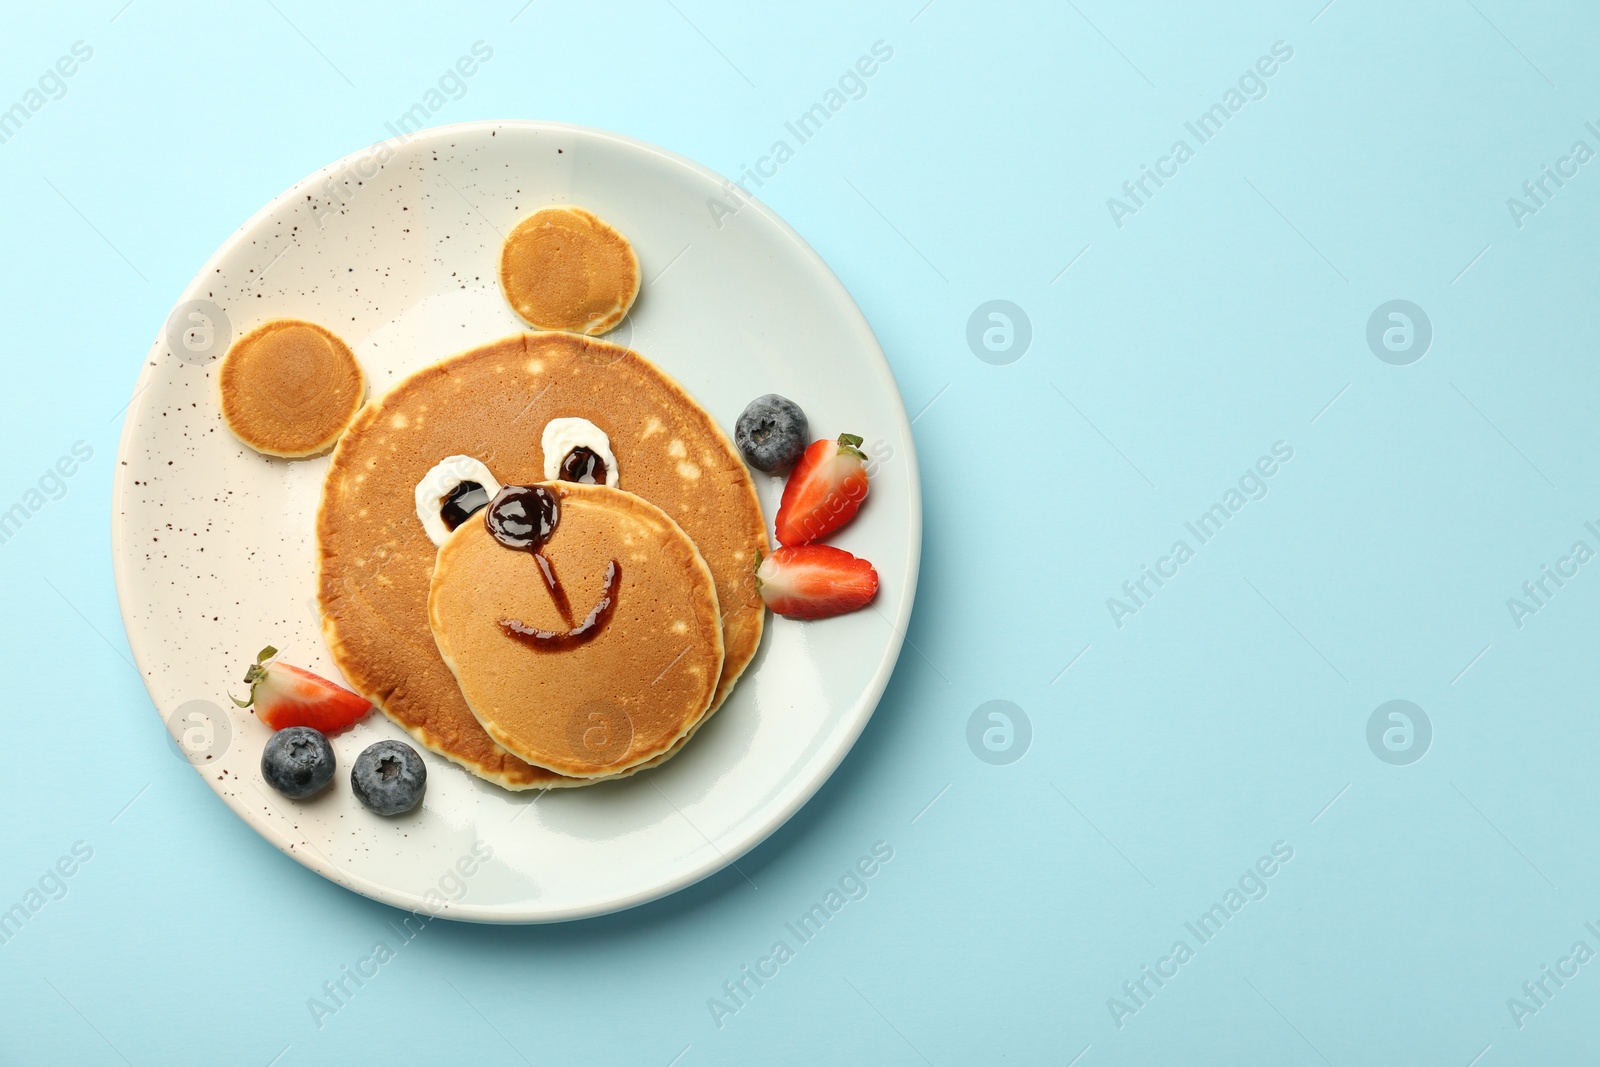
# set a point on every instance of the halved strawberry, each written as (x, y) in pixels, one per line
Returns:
(827, 486)
(815, 581)
(285, 696)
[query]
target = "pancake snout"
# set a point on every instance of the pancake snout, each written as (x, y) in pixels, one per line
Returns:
(588, 653)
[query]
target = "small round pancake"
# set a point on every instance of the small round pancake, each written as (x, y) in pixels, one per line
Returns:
(564, 269)
(290, 388)
(608, 704)
(375, 561)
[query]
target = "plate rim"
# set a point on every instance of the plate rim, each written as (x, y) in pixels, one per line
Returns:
(772, 820)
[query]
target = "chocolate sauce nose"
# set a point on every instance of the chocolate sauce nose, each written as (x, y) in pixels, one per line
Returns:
(523, 516)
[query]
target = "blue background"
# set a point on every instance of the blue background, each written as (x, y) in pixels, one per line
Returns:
(1228, 714)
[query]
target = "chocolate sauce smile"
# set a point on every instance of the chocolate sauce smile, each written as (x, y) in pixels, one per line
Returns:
(583, 633)
(523, 518)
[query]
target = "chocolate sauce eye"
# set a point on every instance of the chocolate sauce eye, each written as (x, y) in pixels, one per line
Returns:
(462, 503)
(583, 465)
(523, 516)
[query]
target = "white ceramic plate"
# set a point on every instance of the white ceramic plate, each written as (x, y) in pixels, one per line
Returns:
(396, 249)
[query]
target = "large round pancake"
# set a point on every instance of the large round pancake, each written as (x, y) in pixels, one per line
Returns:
(615, 701)
(289, 388)
(562, 268)
(375, 563)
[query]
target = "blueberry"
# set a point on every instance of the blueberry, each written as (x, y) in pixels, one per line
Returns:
(389, 777)
(297, 761)
(772, 433)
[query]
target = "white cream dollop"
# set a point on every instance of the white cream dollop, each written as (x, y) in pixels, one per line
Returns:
(440, 482)
(563, 435)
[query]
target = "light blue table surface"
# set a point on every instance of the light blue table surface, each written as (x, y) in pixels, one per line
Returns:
(1163, 745)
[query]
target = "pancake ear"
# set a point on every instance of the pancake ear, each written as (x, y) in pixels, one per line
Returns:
(290, 389)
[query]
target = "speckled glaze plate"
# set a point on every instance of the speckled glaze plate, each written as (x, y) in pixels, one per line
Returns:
(395, 249)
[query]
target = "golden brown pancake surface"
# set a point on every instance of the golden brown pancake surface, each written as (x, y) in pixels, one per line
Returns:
(563, 269)
(648, 669)
(375, 562)
(290, 388)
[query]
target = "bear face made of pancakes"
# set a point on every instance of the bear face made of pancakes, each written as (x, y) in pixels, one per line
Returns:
(494, 404)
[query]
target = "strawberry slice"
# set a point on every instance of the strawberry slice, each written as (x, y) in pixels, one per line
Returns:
(815, 581)
(286, 695)
(827, 486)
